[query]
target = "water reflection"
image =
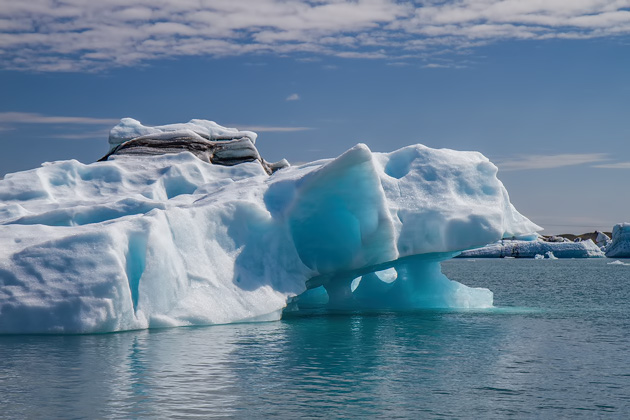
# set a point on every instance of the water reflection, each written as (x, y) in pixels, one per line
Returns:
(322, 364)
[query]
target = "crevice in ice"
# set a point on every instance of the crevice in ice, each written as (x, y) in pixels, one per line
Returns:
(177, 184)
(21, 195)
(79, 215)
(399, 164)
(135, 264)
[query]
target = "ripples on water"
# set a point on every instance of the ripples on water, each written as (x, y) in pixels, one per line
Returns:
(555, 346)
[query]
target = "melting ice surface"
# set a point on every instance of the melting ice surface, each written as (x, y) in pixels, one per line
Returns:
(139, 242)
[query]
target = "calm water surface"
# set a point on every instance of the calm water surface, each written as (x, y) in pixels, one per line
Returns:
(556, 346)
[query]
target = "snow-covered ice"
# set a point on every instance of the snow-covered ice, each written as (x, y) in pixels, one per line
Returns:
(139, 242)
(129, 129)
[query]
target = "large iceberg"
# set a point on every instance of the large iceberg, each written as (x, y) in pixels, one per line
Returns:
(620, 245)
(145, 240)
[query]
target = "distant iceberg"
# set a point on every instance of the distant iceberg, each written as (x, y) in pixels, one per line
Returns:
(620, 245)
(547, 255)
(532, 249)
(151, 238)
(602, 240)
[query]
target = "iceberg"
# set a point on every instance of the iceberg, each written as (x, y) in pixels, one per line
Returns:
(165, 236)
(548, 255)
(602, 240)
(620, 245)
(533, 248)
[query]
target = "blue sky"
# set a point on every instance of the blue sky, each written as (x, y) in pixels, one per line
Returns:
(540, 87)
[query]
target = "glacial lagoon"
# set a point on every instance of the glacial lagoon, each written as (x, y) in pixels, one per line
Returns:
(554, 346)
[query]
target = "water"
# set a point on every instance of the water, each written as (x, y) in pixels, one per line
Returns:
(556, 346)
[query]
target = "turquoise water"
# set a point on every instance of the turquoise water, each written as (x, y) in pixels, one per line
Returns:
(556, 346)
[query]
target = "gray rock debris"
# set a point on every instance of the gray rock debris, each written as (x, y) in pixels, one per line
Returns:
(227, 152)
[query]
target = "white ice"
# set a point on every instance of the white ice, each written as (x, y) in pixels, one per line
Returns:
(141, 242)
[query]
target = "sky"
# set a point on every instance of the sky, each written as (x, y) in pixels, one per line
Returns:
(542, 88)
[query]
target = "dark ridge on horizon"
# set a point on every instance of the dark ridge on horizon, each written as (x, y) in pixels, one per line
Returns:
(583, 236)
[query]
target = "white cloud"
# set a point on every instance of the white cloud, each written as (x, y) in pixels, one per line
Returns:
(86, 35)
(618, 165)
(11, 119)
(293, 97)
(435, 66)
(271, 129)
(533, 162)
(87, 135)
(33, 118)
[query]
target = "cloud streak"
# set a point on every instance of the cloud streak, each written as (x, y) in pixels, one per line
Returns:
(84, 35)
(9, 118)
(618, 165)
(33, 118)
(535, 162)
(272, 129)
